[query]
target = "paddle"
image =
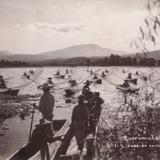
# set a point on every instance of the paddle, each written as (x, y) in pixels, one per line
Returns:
(30, 131)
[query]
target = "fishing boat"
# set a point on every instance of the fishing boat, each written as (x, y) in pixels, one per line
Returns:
(8, 91)
(72, 82)
(33, 151)
(127, 89)
(96, 81)
(133, 80)
(68, 150)
(59, 76)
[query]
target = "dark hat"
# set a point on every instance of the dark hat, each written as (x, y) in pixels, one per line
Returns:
(45, 86)
(87, 82)
(81, 98)
(49, 78)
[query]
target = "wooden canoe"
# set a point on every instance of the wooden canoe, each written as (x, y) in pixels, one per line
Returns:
(10, 92)
(68, 148)
(28, 153)
(127, 89)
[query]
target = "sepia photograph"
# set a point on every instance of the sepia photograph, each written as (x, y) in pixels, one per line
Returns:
(79, 79)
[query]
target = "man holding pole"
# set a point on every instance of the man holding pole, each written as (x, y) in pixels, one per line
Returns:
(46, 106)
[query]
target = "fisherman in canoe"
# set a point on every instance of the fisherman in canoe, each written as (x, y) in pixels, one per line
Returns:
(129, 76)
(57, 73)
(72, 82)
(106, 71)
(25, 74)
(88, 95)
(125, 84)
(95, 77)
(98, 101)
(28, 77)
(137, 73)
(94, 112)
(46, 104)
(31, 72)
(86, 88)
(67, 72)
(2, 82)
(79, 122)
(50, 81)
(103, 75)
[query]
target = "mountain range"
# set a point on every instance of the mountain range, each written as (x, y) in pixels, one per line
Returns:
(73, 53)
(85, 50)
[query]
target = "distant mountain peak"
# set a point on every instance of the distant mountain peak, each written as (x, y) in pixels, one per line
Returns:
(4, 54)
(83, 50)
(86, 45)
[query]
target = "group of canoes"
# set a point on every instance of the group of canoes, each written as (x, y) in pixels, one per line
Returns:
(90, 100)
(93, 102)
(72, 82)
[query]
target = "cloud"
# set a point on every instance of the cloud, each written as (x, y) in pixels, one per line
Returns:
(68, 27)
(65, 28)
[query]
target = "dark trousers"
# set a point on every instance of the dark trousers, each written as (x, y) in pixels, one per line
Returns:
(79, 130)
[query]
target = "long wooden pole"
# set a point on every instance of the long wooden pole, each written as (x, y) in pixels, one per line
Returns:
(30, 131)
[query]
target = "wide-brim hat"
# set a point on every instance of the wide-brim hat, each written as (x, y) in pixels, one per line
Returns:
(49, 77)
(45, 86)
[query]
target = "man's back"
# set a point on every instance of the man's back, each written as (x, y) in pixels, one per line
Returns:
(46, 103)
(80, 113)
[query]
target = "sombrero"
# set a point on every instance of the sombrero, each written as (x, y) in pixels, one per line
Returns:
(45, 86)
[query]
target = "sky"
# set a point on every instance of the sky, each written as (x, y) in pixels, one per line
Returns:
(34, 26)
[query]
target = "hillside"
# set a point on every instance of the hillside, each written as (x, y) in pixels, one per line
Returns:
(5, 53)
(87, 50)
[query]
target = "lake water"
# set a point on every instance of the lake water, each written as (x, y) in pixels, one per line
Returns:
(17, 135)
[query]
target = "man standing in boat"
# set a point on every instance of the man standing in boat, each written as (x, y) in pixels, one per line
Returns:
(125, 84)
(95, 112)
(129, 76)
(86, 88)
(50, 81)
(2, 82)
(80, 122)
(46, 104)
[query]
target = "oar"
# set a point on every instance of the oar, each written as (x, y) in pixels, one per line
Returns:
(30, 131)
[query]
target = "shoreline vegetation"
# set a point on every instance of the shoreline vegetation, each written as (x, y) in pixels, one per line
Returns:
(113, 60)
(135, 129)
(12, 106)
